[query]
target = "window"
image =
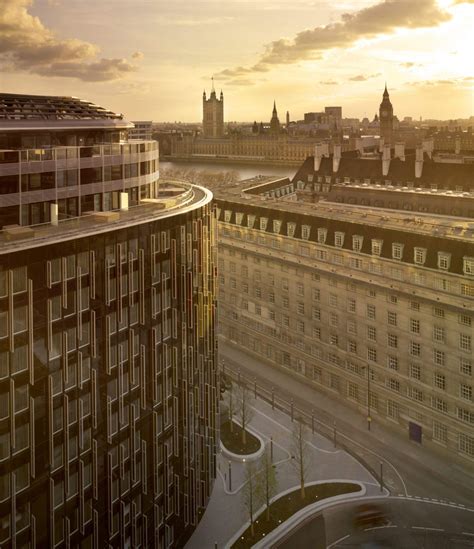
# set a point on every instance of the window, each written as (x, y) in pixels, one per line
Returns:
(468, 266)
(392, 362)
(465, 320)
(300, 326)
(439, 404)
(397, 250)
(419, 255)
(351, 305)
(393, 384)
(415, 348)
(333, 300)
(438, 333)
(333, 320)
(333, 339)
(392, 340)
(352, 346)
(305, 232)
(377, 246)
(290, 228)
(465, 415)
(439, 381)
(437, 311)
(316, 315)
(352, 391)
(357, 242)
(300, 308)
(351, 327)
(371, 333)
(414, 305)
(393, 409)
(245, 287)
(440, 432)
(465, 366)
(286, 321)
(467, 289)
(271, 297)
(258, 292)
(322, 234)
(300, 289)
(414, 371)
(372, 354)
(392, 299)
(316, 332)
(371, 312)
(415, 394)
(339, 241)
(391, 318)
(465, 342)
(334, 382)
(444, 260)
(466, 444)
(258, 310)
(465, 391)
(285, 302)
(439, 357)
(414, 326)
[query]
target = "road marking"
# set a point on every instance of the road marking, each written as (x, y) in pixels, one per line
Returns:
(426, 528)
(338, 541)
(381, 527)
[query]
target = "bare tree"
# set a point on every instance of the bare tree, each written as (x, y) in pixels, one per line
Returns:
(300, 452)
(250, 493)
(244, 410)
(267, 480)
(231, 406)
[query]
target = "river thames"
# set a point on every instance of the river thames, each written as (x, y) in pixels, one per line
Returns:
(245, 171)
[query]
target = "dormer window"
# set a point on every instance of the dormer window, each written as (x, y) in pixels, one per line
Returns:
(250, 221)
(238, 218)
(276, 226)
(377, 246)
(263, 223)
(444, 260)
(419, 255)
(310, 178)
(227, 215)
(291, 228)
(347, 179)
(328, 179)
(397, 250)
(322, 234)
(468, 266)
(305, 231)
(339, 239)
(357, 242)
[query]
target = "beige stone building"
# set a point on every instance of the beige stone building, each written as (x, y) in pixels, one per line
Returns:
(373, 305)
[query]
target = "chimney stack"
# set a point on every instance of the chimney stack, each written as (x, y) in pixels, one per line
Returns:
(400, 151)
(386, 159)
(336, 157)
(428, 146)
(322, 149)
(419, 162)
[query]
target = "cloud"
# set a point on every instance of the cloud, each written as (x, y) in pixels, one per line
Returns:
(370, 22)
(192, 21)
(328, 82)
(138, 55)
(363, 78)
(463, 2)
(27, 45)
(410, 64)
(461, 82)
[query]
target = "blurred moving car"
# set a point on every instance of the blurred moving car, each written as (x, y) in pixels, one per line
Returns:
(369, 515)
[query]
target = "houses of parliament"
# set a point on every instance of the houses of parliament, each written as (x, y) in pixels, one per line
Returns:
(272, 141)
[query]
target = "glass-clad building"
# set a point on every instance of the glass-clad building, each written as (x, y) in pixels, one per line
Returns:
(108, 378)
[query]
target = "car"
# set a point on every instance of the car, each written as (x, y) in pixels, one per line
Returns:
(369, 515)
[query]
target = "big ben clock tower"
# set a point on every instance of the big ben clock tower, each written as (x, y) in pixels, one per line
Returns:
(386, 118)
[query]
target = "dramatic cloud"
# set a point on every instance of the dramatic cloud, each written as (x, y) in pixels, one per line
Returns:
(363, 78)
(27, 45)
(376, 20)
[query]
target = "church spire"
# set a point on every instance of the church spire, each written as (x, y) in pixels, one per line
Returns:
(212, 87)
(385, 93)
(274, 108)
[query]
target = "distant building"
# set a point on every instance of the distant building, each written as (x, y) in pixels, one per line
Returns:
(213, 114)
(366, 295)
(142, 130)
(275, 128)
(108, 373)
(386, 118)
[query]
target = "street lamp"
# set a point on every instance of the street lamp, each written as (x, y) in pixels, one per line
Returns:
(369, 418)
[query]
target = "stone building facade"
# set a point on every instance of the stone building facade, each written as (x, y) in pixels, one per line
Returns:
(371, 305)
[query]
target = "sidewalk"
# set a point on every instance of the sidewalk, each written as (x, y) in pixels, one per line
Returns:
(409, 468)
(225, 514)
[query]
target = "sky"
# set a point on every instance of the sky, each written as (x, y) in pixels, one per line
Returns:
(152, 59)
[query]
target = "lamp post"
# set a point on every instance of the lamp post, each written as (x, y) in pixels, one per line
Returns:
(369, 418)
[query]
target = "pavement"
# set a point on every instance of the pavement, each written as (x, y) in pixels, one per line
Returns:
(225, 513)
(409, 469)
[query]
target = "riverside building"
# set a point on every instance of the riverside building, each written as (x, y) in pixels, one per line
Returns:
(365, 290)
(108, 388)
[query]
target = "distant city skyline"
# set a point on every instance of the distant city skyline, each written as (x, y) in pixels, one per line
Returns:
(152, 60)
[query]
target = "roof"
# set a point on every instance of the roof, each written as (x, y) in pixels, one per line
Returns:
(44, 107)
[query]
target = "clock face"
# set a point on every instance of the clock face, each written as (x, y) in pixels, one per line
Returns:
(384, 113)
